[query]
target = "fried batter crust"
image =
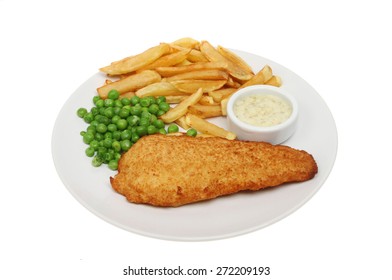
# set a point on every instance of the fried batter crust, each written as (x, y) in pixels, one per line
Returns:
(176, 170)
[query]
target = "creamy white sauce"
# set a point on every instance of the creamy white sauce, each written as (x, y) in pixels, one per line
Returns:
(262, 110)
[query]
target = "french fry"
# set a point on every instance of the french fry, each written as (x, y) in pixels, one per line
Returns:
(131, 83)
(196, 56)
(208, 74)
(167, 60)
(213, 55)
(189, 86)
(175, 99)
(187, 42)
(206, 127)
(136, 62)
(235, 59)
(260, 78)
(205, 111)
(159, 89)
(127, 95)
(122, 76)
(175, 70)
(182, 108)
(182, 123)
(193, 56)
(184, 62)
(274, 81)
(206, 100)
(220, 94)
(224, 105)
(175, 134)
(121, 60)
(204, 135)
(233, 84)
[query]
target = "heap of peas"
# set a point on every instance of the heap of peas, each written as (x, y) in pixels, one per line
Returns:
(115, 124)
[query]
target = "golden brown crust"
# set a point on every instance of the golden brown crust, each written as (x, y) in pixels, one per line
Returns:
(173, 171)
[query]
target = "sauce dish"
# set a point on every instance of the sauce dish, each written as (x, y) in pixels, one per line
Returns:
(262, 113)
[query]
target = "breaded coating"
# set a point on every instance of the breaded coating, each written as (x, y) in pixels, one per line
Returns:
(176, 170)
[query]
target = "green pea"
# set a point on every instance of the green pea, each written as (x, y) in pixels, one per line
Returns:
(191, 132)
(94, 144)
(152, 99)
(124, 113)
(172, 128)
(113, 164)
(112, 127)
(99, 136)
(113, 94)
(160, 113)
(164, 106)
(81, 112)
(126, 145)
(162, 131)
(122, 124)
(88, 137)
(100, 103)
(161, 99)
(145, 112)
(88, 118)
(92, 129)
(126, 134)
(108, 157)
(94, 123)
(145, 102)
(118, 103)
(117, 156)
(126, 101)
(116, 135)
(151, 130)
(153, 109)
(153, 118)
(144, 122)
(107, 142)
(135, 137)
(135, 100)
(115, 119)
(108, 102)
(109, 112)
(97, 161)
(141, 130)
(128, 107)
(96, 98)
(94, 111)
(116, 110)
(133, 120)
(108, 134)
(158, 124)
(90, 152)
(101, 110)
(102, 128)
(102, 119)
(116, 145)
(136, 110)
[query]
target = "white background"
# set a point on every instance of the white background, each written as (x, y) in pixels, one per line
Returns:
(342, 48)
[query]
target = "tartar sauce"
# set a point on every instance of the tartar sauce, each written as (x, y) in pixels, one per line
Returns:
(262, 110)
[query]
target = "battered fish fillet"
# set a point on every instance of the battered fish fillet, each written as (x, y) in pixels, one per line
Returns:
(176, 170)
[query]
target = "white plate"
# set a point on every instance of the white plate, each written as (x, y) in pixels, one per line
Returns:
(218, 218)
